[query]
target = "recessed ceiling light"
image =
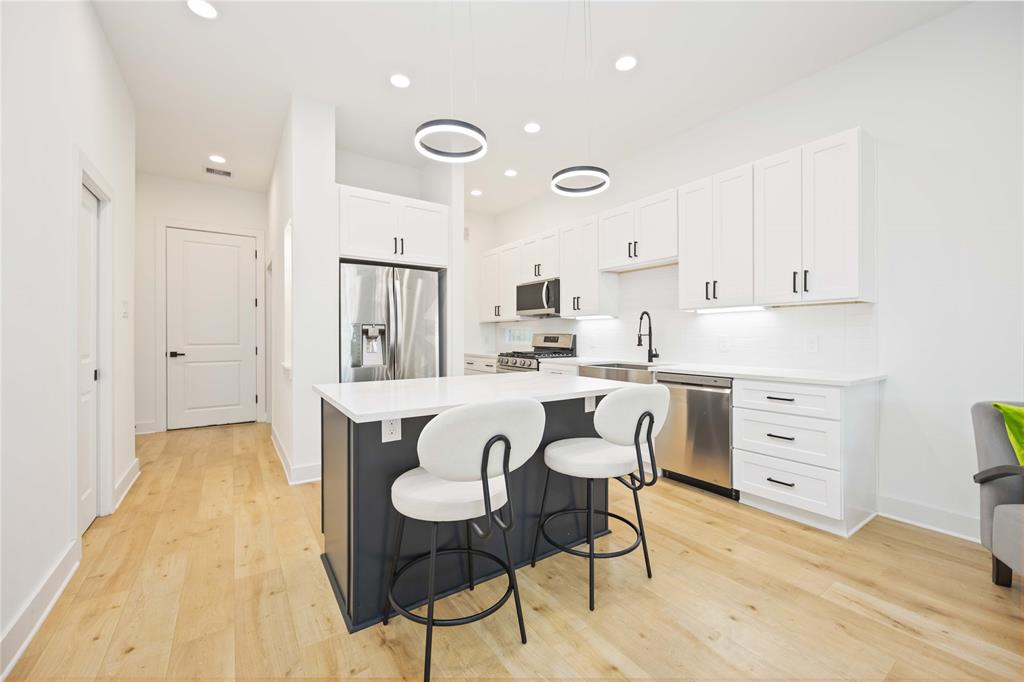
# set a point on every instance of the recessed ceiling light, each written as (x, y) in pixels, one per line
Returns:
(625, 63)
(475, 192)
(203, 9)
(511, 173)
(400, 80)
(532, 127)
(217, 158)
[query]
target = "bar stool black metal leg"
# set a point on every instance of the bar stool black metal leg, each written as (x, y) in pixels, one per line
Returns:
(515, 586)
(540, 519)
(430, 600)
(469, 555)
(590, 535)
(643, 535)
(394, 564)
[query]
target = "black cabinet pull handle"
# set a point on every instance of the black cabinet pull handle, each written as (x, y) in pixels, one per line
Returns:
(636, 252)
(707, 296)
(788, 485)
(714, 289)
(499, 311)
(772, 435)
(795, 273)
(785, 400)
(629, 249)
(805, 280)
(396, 245)
(402, 251)
(175, 354)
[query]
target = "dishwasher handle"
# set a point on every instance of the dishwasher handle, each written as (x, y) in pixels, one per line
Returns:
(695, 382)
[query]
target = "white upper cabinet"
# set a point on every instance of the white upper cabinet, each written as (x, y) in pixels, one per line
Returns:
(639, 235)
(733, 281)
(778, 228)
(716, 241)
(656, 231)
(615, 238)
(837, 250)
(488, 287)
(696, 244)
(384, 227)
(813, 226)
(585, 290)
(540, 257)
(500, 271)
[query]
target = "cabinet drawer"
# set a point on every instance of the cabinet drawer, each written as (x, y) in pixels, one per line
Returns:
(800, 439)
(479, 365)
(798, 485)
(801, 399)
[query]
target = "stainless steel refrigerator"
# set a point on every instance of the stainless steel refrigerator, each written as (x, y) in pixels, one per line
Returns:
(390, 323)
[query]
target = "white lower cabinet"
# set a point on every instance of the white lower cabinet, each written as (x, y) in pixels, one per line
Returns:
(820, 469)
(479, 364)
(549, 367)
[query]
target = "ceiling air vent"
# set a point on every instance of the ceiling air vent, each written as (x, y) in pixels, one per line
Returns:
(218, 171)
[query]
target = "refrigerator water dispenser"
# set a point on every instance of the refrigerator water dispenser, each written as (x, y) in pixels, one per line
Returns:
(368, 342)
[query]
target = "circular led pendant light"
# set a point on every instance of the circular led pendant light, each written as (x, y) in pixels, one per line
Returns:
(582, 180)
(450, 126)
(453, 127)
(599, 181)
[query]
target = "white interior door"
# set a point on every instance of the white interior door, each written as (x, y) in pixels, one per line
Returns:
(211, 328)
(88, 395)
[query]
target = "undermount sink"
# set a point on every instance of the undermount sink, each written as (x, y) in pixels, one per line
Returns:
(619, 371)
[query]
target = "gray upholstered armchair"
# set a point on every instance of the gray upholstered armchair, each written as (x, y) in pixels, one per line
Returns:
(1002, 493)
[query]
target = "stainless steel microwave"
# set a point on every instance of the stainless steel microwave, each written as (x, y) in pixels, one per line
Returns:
(538, 299)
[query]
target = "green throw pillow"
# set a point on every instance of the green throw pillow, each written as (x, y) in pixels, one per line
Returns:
(1013, 417)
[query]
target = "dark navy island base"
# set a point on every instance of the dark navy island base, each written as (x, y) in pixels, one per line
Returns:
(359, 523)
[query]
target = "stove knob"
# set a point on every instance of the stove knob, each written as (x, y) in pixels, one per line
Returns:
(522, 363)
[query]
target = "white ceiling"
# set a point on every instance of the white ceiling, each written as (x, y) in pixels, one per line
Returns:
(204, 87)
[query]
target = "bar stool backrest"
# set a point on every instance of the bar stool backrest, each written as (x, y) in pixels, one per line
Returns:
(451, 445)
(618, 412)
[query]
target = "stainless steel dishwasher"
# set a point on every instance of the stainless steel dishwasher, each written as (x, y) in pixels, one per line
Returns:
(695, 445)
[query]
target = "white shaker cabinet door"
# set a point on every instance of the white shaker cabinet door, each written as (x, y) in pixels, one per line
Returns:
(655, 237)
(509, 264)
(696, 248)
(489, 283)
(831, 218)
(369, 224)
(422, 233)
(733, 280)
(778, 227)
(615, 234)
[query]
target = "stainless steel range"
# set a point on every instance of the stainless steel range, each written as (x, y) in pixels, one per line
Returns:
(545, 347)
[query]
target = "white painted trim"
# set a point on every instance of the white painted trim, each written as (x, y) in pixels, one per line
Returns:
(160, 227)
(26, 624)
(87, 174)
(930, 518)
(126, 483)
(143, 428)
(295, 475)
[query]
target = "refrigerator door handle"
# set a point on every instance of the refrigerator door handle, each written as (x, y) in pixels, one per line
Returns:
(392, 309)
(397, 333)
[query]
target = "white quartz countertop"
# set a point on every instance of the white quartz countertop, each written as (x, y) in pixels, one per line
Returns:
(372, 401)
(797, 376)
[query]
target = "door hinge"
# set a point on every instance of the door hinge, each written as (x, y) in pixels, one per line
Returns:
(95, 375)
(257, 398)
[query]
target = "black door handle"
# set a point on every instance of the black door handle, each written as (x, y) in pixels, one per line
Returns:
(805, 280)
(714, 289)
(795, 273)
(402, 252)
(636, 252)
(396, 245)
(772, 435)
(629, 249)
(785, 400)
(788, 485)
(495, 311)
(175, 354)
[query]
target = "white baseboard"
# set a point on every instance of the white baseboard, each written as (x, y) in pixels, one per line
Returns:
(26, 624)
(147, 427)
(125, 484)
(931, 518)
(296, 475)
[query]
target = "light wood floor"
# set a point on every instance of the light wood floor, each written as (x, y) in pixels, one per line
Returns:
(210, 569)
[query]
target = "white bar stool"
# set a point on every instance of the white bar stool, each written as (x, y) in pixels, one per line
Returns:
(625, 419)
(466, 455)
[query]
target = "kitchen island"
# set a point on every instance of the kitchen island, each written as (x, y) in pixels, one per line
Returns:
(369, 432)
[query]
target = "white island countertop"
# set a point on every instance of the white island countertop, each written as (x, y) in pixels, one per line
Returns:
(372, 401)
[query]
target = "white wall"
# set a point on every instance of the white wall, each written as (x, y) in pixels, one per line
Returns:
(64, 101)
(162, 201)
(358, 170)
(943, 104)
